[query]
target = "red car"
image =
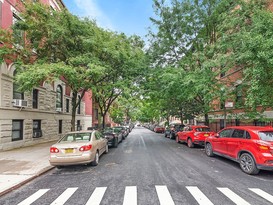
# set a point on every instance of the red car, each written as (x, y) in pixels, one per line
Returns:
(194, 135)
(251, 146)
(159, 129)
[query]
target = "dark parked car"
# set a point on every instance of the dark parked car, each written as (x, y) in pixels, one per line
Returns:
(113, 135)
(124, 131)
(174, 128)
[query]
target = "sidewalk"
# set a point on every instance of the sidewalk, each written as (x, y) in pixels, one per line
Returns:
(21, 165)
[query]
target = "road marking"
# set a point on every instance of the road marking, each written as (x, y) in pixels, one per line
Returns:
(96, 196)
(64, 196)
(143, 142)
(164, 195)
(34, 197)
(263, 194)
(130, 196)
(199, 196)
(233, 197)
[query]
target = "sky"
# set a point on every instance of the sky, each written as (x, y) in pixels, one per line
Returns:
(127, 16)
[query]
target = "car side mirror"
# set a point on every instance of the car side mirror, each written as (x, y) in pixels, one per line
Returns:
(217, 135)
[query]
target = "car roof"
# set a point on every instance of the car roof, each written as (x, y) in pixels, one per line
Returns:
(81, 131)
(253, 128)
(197, 126)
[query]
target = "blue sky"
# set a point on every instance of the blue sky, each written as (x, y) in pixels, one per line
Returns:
(128, 16)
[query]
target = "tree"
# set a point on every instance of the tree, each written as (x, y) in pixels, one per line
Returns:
(184, 44)
(247, 31)
(124, 60)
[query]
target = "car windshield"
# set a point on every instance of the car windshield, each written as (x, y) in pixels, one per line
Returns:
(202, 129)
(266, 136)
(76, 137)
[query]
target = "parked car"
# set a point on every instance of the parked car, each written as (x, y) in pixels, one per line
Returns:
(174, 128)
(124, 130)
(167, 132)
(159, 129)
(194, 135)
(80, 147)
(113, 135)
(250, 146)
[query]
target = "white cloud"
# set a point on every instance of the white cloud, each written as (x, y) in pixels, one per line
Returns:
(90, 8)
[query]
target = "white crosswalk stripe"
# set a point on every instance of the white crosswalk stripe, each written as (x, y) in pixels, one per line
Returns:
(130, 196)
(34, 197)
(64, 196)
(263, 194)
(164, 195)
(233, 197)
(199, 196)
(96, 197)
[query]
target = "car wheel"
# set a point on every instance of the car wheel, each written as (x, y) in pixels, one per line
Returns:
(95, 162)
(208, 150)
(106, 148)
(247, 164)
(177, 139)
(189, 143)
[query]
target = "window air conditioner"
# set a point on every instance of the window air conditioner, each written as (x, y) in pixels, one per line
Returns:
(19, 103)
(59, 109)
(37, 133)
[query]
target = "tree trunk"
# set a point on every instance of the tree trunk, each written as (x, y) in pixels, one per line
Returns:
(206, 119)
(74, 109)
(103, 120)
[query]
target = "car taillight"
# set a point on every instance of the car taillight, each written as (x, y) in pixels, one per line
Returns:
(85, 148)
(54, 150)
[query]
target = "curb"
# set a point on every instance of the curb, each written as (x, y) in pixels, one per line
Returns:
(43, 171)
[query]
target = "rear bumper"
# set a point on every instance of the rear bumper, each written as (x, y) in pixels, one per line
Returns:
(199, 142)
(71, 160)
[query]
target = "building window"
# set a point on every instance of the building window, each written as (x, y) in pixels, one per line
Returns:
(79, 106)
(18, 34)
(17, 130)
(239, 96)
(222, 124)
(60, 126)
(67, 105)
(79, 127)
(59, 97)
(35, 98)
(17, 94)
(37, 130)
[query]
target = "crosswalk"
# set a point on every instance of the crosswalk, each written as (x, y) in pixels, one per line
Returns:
(162, 191)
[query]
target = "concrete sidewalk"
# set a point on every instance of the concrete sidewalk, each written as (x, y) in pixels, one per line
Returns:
(21, 165)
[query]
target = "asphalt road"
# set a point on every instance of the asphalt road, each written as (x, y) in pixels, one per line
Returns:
(148, 169)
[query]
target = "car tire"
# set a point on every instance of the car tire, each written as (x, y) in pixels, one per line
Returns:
(208, 150)
(177, 139)
(248, 164)
(189, 143)
(95, 162)
(115, 143)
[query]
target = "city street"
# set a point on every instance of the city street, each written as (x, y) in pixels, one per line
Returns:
(148, 169)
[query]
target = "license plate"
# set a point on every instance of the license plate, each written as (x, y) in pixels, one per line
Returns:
(69, 150)
(206, 135)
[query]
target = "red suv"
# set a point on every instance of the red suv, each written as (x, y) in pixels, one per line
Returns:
(250, 146)
(194, 134)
